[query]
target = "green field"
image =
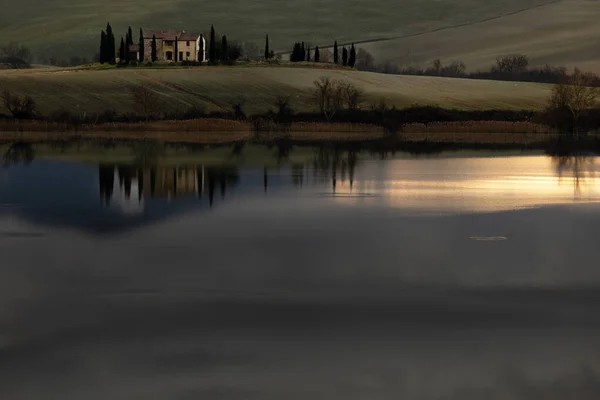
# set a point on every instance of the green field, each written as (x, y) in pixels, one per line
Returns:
(215, 88)
(563, 32)
(67, 28)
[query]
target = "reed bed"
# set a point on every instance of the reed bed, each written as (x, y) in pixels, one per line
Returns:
(318, 127)
(193, 125)
(210, 130)
(478, 127)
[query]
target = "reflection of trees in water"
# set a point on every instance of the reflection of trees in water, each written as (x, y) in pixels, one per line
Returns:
(18, 152)
(165, 181)
(106, 178)
(224, 176)
(328, 161)
(576, 167)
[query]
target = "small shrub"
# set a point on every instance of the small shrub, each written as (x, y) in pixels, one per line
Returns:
(20, 107)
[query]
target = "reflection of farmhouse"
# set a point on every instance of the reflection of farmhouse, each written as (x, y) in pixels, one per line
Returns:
(172, 181)
(164, 182)
(177, 46)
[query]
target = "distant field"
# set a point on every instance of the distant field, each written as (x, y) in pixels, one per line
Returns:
(215, 88)
(565, 32)
(67, 28)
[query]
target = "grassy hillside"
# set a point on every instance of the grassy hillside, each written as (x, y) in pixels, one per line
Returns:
(71, 27)
(215, 88)
(564, 32)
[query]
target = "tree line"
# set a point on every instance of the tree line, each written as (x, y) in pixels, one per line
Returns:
(14, 56)
(514, 67)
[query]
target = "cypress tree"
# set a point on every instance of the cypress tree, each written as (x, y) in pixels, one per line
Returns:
(267, 48)
(335, 53)
(122, 51)
(297, 53)
(103, 43)
(308, 54)
(317, 54)
(212, 50)
(352, 59)
(153, 49)
(127, 40)
(302, 54)
(110, 45)
(344, 57)
(224, 50)
(141, 44)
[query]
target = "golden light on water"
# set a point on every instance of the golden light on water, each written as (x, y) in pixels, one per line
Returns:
(477, 184)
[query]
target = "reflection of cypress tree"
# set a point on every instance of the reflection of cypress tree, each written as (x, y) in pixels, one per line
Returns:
(351, 165)
(333, 176)
(226, 176)
(106, 177)
(140, 178)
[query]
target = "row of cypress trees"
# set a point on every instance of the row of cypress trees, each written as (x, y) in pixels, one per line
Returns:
(107, 45)
(348, 57)
(300, 52)
(303, 53)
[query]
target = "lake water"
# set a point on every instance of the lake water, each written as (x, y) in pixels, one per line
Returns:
(461, 276)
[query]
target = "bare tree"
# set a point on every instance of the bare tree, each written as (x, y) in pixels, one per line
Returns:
(19, 107)
(284, 109)
(512, 64)
(353, 95)
(328, 96)
(577, 95)
(145, 101)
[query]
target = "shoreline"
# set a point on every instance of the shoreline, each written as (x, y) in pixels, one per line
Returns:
(222, 131)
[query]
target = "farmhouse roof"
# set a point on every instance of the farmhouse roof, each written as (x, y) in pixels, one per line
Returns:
(170, 34)
(189, 36)
(161, 34)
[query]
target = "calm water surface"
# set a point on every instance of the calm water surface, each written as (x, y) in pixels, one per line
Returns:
(404, 278)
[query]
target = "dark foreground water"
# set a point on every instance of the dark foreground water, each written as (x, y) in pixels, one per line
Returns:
(439, 278)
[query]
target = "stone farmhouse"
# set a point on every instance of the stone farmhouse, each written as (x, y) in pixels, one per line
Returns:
(175, 45)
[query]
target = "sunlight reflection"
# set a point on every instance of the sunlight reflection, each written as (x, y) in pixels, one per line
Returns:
(478, 184)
